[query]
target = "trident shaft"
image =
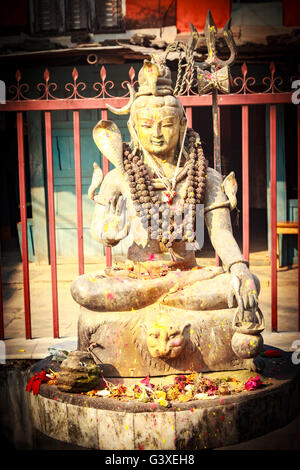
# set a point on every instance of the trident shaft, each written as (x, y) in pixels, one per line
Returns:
(218, 78)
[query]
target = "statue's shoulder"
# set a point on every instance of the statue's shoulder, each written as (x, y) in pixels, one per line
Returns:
(219, 189)
(214, 178)
(213, 189)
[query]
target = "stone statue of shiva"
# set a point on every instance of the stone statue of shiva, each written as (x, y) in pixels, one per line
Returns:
(174, 315)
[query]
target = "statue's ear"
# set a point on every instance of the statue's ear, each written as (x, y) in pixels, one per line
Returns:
(183, 125)
(186, 329)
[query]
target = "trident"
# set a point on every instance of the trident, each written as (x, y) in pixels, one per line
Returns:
(218, 77)
(212, 74)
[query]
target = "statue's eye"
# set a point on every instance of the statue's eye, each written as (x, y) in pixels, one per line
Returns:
(154, 335)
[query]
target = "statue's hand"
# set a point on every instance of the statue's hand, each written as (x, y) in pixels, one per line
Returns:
(115, 224)
(243, 289)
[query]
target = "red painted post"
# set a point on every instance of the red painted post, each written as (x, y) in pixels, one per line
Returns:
(1, 303)
(22, 191)
(50, 184)
(77, 159)
(189, 116)
(298, 216)
(273, 184)
(245, 180)
(104, 115)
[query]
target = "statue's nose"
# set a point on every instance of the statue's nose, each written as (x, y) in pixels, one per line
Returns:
(164, 352)
(156, 130)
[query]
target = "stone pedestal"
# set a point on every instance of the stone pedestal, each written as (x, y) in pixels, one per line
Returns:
(106, 423)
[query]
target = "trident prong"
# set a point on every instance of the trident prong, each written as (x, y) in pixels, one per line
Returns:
(210, 32)
(193, 38)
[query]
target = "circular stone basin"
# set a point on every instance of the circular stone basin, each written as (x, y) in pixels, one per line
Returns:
(107, 423)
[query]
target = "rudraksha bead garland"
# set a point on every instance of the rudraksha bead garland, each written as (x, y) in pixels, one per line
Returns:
(168, 227)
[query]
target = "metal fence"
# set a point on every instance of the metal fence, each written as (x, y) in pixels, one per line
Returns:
(244, 96)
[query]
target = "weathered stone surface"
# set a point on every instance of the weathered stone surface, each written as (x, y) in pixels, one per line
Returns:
(78, 373)
(115, 430)
(34, 406)
(205, 427)
(54, 419)
(83, 426)
(155, 430)
(121, 347)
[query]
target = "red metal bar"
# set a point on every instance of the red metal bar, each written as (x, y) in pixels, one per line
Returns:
(245, 180)
(273, 184)
(189, 115)
(77, 158)
(100, 103)
(1, 303)
(50, 183)
(298, 216)
(104, 115)
(255, 98)
(22, 191)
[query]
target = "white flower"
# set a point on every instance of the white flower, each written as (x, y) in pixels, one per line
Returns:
(103, 393)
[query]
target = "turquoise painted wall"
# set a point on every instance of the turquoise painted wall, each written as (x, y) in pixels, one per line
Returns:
(286, 209)
(64, 171)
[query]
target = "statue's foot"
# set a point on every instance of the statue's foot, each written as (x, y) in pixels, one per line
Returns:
(256, 364)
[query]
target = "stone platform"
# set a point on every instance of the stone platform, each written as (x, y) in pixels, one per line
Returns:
(106, 423)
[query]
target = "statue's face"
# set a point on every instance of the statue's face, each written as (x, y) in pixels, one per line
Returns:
(158, 129)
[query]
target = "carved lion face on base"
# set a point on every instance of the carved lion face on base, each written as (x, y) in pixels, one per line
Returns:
(165, 340)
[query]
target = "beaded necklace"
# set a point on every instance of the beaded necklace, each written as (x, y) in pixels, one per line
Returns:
(166, 225)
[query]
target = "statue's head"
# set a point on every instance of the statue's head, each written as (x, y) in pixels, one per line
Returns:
(157, 119)
(158, 122)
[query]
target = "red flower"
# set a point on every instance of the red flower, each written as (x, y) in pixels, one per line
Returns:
(151, 257)
(121, 389)
(180, 380)
(253, 383)
(212, 390)
(35, 382)
(146, 380)
(137, 389)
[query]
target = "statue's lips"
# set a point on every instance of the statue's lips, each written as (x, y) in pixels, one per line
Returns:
(158, 143)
